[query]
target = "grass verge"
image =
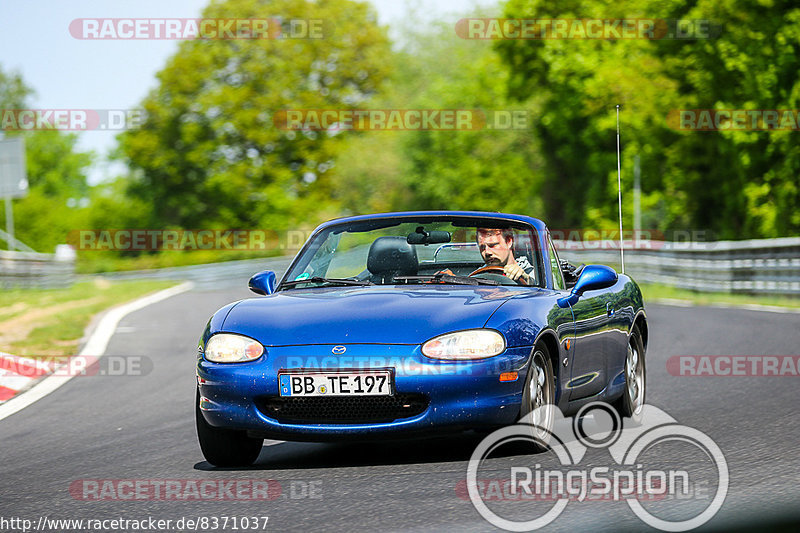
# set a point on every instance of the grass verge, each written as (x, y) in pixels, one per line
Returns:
(51, 322)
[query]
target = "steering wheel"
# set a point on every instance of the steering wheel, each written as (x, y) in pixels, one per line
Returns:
(494, 269)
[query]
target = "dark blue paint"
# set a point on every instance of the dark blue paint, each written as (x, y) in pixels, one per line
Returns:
(263, 283)
(385, 327)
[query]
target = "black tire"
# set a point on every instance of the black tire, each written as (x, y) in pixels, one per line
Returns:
(225, 447)
(540, 369)
(630, 404)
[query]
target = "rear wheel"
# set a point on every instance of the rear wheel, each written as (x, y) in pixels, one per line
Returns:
(631, 403)
(225, 447)
(539, 392)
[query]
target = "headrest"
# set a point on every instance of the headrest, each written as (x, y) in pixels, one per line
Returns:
(392, 254)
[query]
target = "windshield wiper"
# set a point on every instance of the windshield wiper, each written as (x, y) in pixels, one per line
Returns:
(441, 277)
(327, 281)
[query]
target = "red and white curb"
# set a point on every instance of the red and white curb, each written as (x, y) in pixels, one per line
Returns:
(95, 346)
(18, 373)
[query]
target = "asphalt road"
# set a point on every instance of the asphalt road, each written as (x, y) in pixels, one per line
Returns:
(141, 427)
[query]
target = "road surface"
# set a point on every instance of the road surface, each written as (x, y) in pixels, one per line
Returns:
(141, 427)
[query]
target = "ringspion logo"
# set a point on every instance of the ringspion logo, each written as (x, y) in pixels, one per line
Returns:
(661, 493)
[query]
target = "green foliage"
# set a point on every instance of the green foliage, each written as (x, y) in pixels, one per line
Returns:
(481, 169)
(13, 91)
(738, 184)
(209, 154)
(43, 221)
(57, 200)
(54, 166)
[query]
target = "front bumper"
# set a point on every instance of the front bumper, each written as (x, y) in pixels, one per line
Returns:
(430, 396)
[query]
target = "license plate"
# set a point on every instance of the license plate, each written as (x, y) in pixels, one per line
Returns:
(376, 383)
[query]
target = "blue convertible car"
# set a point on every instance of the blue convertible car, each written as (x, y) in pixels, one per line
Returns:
(406, 324)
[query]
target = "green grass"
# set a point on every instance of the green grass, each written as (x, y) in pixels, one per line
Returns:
(653, 292)
(51, 322)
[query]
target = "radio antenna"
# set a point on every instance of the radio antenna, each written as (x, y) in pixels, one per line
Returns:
(619, 198)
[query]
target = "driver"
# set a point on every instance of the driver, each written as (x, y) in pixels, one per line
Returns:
(497, 249)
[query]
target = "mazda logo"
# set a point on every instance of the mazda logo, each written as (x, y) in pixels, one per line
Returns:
(338, 350)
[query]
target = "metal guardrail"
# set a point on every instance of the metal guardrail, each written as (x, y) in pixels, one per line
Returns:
(35, 270)
(763, 266)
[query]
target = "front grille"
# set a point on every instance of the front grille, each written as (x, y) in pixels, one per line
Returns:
(343, 409)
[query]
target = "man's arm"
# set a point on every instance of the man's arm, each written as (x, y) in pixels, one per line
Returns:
(516, 273)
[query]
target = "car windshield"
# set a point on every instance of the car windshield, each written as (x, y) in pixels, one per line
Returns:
(409, 250)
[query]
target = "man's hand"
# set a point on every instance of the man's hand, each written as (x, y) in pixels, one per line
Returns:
(515, 273)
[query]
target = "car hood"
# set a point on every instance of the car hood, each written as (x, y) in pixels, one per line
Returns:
(379, 315)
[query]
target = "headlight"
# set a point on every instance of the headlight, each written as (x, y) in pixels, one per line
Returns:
(230, 348)
(469, 344)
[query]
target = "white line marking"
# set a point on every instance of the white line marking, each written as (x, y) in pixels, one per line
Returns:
(96, 346)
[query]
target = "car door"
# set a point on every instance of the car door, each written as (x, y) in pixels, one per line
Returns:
(562, 321)
(589, 369)
(588, 375)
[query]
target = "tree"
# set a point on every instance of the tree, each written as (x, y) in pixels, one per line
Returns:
(13, 91)
(209, 154)
(56, 174)
(739, 184)
(54, 166)
(481, 169)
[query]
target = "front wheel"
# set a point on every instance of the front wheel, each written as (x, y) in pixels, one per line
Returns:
(538, 398)
(630, 404)
(225, 447)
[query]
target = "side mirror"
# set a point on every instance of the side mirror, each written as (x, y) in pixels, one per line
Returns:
(263, 283)
(595, 277)
(592, 278)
